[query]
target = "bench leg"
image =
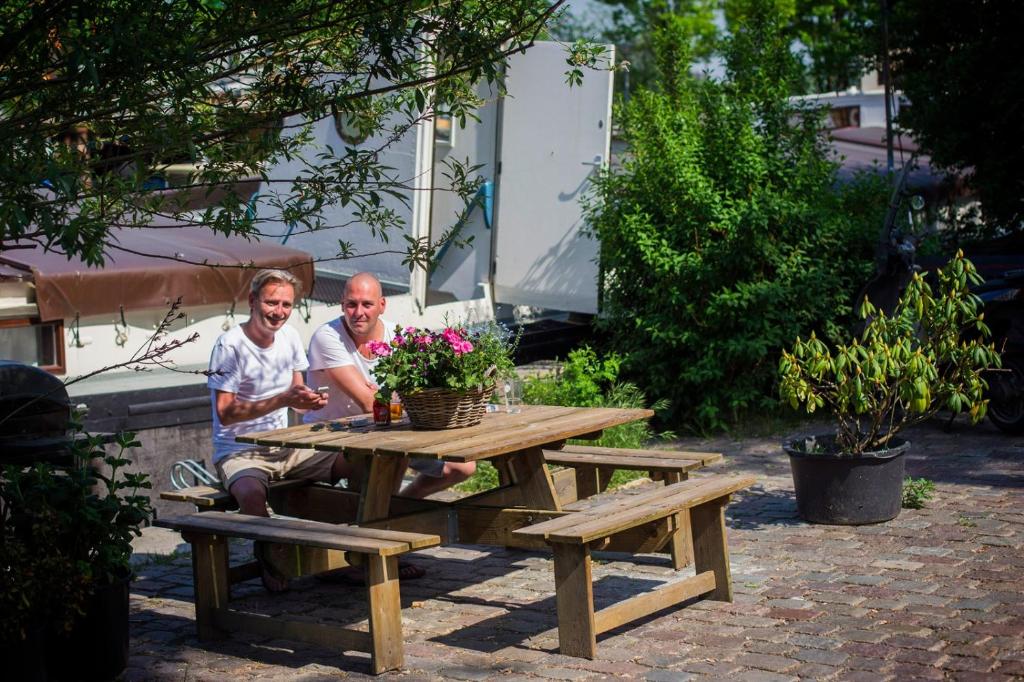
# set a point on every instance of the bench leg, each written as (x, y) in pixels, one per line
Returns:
(210, 580)
(591, 480)
(681, 544)
(574, 595)
(710, 551)
(385, 613)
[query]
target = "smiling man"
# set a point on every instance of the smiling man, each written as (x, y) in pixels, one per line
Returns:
(340, 358)
(256, 376)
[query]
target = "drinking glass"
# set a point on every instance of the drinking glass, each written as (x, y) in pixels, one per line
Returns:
(513, 389)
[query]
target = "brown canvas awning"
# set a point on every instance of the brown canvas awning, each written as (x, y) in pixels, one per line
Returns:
(151, 267)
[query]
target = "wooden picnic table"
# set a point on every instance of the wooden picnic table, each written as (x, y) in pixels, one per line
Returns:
(513, 442)
(531, 509)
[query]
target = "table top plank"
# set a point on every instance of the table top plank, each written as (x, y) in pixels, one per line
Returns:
(498, 433)
(410, 441)
(536, 433)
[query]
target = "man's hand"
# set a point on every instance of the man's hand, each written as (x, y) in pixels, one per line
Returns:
(232, 410)
(302, 398)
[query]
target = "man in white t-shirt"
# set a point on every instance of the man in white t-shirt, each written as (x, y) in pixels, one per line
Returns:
(256, 375)
(339, 358)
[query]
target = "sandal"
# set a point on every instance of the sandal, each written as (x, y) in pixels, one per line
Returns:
(273, 580)
(353, 576)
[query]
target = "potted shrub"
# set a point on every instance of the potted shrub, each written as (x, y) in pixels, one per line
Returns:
(444, 378)
(66, 546)
(929, 354)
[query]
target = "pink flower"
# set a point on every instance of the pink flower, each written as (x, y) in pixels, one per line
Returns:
(410, 330)
(461, 347)
(379, 348)
(424, 340)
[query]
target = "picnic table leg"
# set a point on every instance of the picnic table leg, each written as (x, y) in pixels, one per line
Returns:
(534, 480)
(574, 597)
(385, 613)
(375, 496)
(210, 581)
(681, 542)
(710, 551)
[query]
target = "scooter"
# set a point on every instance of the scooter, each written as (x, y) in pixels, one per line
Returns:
(1001, 263)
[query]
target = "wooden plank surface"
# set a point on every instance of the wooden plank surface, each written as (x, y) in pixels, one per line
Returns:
(612, 517)
(328, 636)
(645, 604)
(207, 496)
(593, 450)
(648, 462)
(300, 532)
(498, 433)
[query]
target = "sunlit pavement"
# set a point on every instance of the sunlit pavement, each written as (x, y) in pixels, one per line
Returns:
(937, 593)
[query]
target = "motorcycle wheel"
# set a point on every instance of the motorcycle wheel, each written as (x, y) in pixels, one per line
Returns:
(1008, 414)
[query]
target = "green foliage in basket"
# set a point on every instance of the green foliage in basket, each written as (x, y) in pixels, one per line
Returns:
(458, 358)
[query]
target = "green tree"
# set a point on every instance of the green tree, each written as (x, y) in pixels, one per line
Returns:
(631, 24)
(951, 60)
(837, 39)
(723, 235)
(98, 97)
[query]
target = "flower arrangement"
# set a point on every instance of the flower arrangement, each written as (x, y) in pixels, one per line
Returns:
(458, 358)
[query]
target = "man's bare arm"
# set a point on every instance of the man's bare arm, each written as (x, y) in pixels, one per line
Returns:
(351, 381)
(232, 410)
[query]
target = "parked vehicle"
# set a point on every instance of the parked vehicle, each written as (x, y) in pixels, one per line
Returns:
(999, 261)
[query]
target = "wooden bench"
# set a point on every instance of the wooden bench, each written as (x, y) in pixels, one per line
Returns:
(573, 536)
(208, 532)
(594, 466)
(210, 498)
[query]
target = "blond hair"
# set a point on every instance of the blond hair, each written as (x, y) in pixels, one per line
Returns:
(273, 276)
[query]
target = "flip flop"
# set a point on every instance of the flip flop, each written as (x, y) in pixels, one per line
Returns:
(353, 576)
(273, 580)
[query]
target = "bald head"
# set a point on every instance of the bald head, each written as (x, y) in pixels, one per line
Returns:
(362, 304)
(364, 282)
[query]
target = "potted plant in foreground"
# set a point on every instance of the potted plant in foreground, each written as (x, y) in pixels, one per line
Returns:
(929, 354)
(444, 378)
(65, 547)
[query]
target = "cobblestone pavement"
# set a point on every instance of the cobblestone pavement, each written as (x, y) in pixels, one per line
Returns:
(934, 594)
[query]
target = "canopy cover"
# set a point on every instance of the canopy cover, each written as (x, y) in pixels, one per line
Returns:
(151, 267)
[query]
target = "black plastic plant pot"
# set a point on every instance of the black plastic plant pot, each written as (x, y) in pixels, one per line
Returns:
(25, 659)
(97, 646)
(846, 490)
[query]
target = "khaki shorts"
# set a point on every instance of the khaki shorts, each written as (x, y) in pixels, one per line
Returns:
(274, 464)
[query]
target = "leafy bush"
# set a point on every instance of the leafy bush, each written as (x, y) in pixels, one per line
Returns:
(724, 234)
(66, 531)
(586, 380)
(930, 354)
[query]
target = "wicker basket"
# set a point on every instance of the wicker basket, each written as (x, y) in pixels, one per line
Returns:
(440, 408)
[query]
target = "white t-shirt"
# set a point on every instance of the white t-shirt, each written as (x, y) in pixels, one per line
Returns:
(252, 373)
(332, 346)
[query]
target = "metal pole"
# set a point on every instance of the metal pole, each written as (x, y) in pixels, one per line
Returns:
(886, 78)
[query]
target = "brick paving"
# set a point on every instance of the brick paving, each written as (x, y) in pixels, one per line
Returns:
(936, 594)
